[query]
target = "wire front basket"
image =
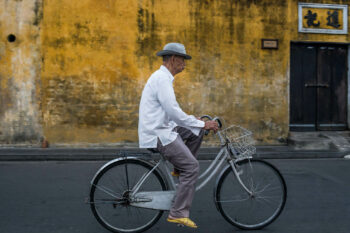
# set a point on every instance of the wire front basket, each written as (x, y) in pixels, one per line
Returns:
(240, 141)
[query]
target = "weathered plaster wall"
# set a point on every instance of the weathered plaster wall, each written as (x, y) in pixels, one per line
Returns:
(20, 62)
(97, 55)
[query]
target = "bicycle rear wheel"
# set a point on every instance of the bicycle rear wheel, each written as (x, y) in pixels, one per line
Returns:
(254, 211)
(110, 196)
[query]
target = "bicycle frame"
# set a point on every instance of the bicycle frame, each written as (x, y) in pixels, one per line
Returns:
(217, 162)
(162, 200)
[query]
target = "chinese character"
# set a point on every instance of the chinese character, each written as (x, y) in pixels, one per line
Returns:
(332, 19)
(311, 18)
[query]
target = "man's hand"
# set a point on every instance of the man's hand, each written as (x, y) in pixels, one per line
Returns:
(211, 125)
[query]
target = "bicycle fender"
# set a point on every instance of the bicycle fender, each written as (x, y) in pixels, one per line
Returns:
(125, 158)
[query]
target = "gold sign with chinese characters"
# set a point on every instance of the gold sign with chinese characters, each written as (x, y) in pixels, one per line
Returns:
(323, 18)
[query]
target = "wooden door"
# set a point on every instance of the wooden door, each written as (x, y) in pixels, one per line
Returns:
(318, 87)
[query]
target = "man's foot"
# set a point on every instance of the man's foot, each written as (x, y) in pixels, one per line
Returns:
(175, 174)
(183, 221)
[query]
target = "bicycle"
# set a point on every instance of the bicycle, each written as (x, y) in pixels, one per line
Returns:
(130, 193)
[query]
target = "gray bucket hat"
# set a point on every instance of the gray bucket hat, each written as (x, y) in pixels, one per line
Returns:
(174, 49)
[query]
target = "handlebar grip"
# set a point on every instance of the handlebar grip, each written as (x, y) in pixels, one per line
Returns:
(206, 132)
(217, 119)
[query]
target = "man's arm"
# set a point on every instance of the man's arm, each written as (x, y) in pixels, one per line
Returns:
(167, 99)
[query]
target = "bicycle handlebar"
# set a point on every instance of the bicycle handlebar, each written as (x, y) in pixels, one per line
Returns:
(217, 119)
(206, 116)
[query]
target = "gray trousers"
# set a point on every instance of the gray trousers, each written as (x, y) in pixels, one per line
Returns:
(182, 154)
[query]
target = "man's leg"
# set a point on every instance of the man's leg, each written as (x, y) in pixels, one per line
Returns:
(181, 157)
(193, 142)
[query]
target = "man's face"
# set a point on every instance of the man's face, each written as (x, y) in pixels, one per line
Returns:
(179, 64)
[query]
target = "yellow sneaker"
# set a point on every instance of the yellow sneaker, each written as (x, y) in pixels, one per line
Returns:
(175, 174)
(183, 221)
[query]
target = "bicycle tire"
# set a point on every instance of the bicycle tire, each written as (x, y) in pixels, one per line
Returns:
(116, 214)
(267, 203)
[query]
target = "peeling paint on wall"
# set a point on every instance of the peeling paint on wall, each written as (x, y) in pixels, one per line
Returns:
(20, 71)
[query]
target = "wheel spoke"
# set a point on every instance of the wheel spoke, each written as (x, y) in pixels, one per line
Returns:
(108, 201)
(127, 176)
(270, 189)
(115, 182)
(266, 201)
(108, 191)
(235, 200)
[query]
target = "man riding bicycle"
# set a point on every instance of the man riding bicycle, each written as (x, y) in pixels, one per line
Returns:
(176, 135)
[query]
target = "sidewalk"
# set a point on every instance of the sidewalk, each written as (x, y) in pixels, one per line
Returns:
(301, 145)
(71, 154)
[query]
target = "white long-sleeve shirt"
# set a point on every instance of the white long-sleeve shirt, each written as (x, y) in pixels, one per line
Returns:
(160, 113)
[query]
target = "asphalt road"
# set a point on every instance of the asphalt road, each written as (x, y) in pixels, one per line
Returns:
(48, 197)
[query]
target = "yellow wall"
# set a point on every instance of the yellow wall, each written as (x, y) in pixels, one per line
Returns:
(97, 55)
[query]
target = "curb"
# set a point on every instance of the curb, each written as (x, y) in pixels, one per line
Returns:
(78, 154)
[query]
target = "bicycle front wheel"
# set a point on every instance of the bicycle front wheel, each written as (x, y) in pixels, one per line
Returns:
(262, 206)
(110, 196)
